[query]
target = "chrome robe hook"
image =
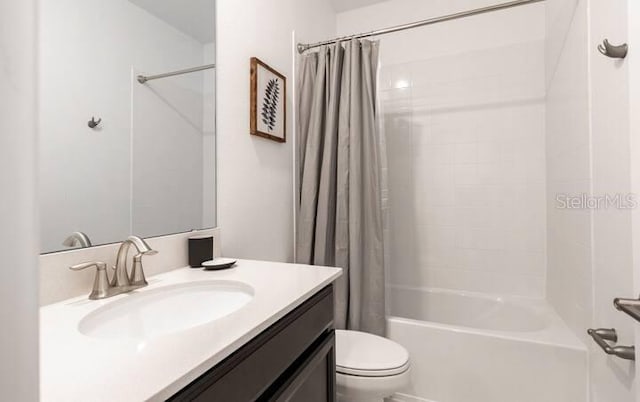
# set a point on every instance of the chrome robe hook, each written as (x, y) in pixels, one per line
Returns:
(93, 123)
(613, 51)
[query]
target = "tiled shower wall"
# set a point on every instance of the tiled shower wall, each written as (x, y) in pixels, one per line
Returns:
(466, 152)
(570, 243)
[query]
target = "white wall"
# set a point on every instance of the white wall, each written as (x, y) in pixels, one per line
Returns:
(633, 59)
(559, 15)
(588, 151)
(612, 379)
(18, 210)
(255, 176)
(90, 74)
(463, 104)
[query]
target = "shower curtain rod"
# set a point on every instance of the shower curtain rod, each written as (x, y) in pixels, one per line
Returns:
(303, 47)
(144, 78)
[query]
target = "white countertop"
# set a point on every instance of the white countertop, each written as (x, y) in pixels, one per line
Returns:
(75, 367)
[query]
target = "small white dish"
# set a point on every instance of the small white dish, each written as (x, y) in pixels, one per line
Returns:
(218, 263)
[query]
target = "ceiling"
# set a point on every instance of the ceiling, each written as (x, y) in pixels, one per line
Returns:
(197, 20)
(346, 5)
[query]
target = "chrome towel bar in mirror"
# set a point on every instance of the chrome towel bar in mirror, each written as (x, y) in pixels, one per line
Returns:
(144, 78)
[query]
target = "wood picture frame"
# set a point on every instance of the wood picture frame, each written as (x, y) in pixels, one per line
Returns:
(268, 100)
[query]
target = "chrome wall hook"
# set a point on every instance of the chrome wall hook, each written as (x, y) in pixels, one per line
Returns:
(93, 123)
(613, 51)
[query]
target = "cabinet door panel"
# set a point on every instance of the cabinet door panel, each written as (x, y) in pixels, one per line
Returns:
(314, 379)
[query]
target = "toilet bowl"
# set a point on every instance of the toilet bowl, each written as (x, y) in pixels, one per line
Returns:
(369, 368)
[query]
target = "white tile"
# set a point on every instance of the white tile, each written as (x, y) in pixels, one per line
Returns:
(466, 153)
(472, 195)
(465, 174)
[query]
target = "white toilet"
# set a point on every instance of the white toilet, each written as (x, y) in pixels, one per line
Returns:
(369, 367)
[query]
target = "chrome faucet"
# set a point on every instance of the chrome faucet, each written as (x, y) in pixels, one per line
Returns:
(77, 239)
(121, 282)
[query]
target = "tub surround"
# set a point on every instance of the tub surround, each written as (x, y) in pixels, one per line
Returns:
(522, 318)
(475, 339)
(75, 367)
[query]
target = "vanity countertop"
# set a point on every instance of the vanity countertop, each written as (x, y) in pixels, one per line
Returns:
(75, 367)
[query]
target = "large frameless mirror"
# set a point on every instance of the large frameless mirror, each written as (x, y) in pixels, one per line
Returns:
(127, 119)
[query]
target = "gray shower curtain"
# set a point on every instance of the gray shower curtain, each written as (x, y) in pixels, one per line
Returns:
(339, 154)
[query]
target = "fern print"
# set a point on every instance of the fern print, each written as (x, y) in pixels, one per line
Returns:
(270, 104)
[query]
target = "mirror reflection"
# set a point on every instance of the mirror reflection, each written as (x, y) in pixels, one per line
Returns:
(127, 117)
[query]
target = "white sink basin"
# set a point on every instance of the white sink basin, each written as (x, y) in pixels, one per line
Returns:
(174, 308)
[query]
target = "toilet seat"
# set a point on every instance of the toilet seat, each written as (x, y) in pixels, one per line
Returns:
(365, 355)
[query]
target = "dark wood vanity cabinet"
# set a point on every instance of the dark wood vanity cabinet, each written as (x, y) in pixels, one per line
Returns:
(293, 361)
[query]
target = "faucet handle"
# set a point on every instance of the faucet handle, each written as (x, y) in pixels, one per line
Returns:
(137, 272)
(83, 265)
(101, 287)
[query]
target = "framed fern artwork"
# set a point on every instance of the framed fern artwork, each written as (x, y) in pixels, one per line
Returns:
(268, 102)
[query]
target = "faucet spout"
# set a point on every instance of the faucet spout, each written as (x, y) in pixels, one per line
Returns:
(121, 277)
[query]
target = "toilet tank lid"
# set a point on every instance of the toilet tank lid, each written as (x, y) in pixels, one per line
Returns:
(361, 353)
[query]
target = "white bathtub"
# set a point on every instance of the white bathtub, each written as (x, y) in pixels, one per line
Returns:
(468, 347)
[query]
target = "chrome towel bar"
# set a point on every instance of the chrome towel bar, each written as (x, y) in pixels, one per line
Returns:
(602, 336)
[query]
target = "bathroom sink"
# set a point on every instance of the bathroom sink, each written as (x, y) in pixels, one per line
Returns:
(150, 313)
